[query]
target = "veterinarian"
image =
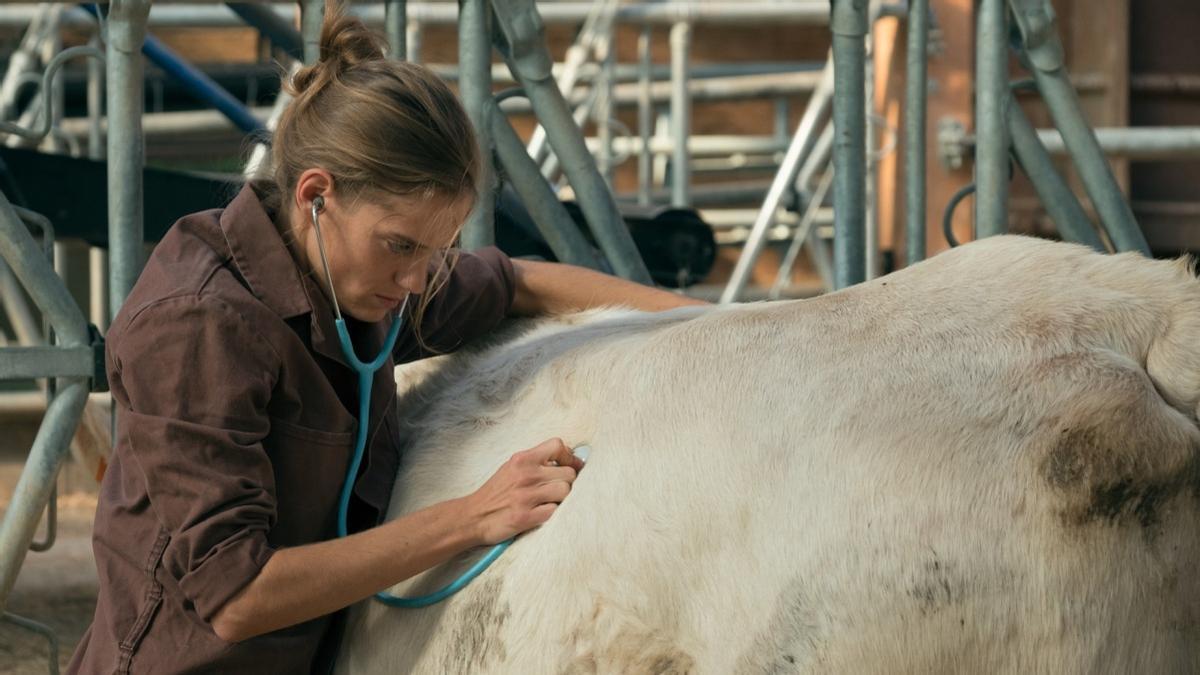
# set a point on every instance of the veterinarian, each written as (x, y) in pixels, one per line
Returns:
(236, 403)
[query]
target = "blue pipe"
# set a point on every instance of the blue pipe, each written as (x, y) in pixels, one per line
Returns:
(200, 85)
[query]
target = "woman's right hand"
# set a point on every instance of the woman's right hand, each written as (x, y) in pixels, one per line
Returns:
(525, 491)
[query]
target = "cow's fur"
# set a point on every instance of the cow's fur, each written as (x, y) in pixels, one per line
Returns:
(984, 463)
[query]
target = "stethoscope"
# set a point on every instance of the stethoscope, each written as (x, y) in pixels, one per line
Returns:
(366, 373)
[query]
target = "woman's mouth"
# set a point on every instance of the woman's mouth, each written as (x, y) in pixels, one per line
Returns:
(388, 302)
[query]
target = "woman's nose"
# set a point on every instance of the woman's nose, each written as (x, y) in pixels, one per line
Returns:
(413, 277)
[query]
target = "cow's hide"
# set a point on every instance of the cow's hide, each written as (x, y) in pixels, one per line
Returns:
(984, 463)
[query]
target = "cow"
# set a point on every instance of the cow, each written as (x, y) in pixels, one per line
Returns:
(986, 462)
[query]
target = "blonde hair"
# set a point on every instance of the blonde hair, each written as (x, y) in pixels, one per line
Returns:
(377, 125)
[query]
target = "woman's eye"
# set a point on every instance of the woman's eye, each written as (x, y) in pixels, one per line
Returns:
(400, 247)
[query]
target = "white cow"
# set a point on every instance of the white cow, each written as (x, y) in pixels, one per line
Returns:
(985, 463)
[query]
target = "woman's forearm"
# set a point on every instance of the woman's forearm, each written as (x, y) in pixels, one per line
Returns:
(552, 288)
(302, 583)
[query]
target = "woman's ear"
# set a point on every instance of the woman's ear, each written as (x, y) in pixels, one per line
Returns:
(313, 185)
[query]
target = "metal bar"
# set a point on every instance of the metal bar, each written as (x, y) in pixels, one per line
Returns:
(725, 12)
(916, 99)
(604, 109)
(991, 126)
(1035, 18)
(551, 218)
(818, 158)
(525, 50)
(475, 88)
(1137, 143)
(46, 97)
(202, 86)
(40, 629)
(396, 20)
(20, 314)
(872, 262)
(126, 146)
(31, 268)
(28, 363)
(681, 114)
(24, 58)
(645, 117)
(281, 32)
(413, 34)
(849, 26)
(801, 145)
(312, 15)
(802, 234)
(1064, 209)
(95, 103)
(32, 492)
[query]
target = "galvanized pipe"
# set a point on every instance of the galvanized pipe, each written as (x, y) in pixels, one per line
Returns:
(95, 103)
(312, 15)
(33, 489)
(724, 12)
(396, 20)
(1035, 18)
(802, 235)
(802, 143)
(525, 50)
(991, 125)
(24, 57)
(548, 213)
(126, 146)
(604, 109)
(817, 159)
(413, 35)
(681, 114)
(280, 31)
(475, 89)
(1136, 143)
(645, 118)
(1064, 209)
(849, 23)
(915, 99)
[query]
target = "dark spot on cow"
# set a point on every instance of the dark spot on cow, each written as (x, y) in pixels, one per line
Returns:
(790, 636)
(1066, 464)
(670, 664)
(933, 590)
(476, 630)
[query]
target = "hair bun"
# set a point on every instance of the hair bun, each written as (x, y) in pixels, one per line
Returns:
(345, 43)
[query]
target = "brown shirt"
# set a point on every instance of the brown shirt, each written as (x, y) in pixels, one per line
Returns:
(236, 420)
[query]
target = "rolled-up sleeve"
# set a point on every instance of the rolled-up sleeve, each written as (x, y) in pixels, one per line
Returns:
(192, 383)
(473, 300)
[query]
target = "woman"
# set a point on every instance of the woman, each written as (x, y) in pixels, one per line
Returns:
(215, 532)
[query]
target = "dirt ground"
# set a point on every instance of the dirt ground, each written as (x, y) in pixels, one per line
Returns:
(57, 587)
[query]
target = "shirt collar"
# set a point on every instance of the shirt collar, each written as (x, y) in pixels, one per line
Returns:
(275, 278)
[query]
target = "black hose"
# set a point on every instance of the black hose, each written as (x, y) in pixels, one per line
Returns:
(948, 214)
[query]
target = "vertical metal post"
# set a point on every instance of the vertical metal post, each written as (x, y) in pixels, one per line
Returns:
(604, 106)
(475, 88)
(1035, 18)
(95, 103)
(645, 116)
(848, 23)
(991, 124)
(916, 98)
(681, 115)
(57, 92)
(126, 149)
(872, 263)
(312, 15)
(413, 41)
(396, 20)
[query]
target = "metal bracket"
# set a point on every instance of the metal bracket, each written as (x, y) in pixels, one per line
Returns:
(99, 373)
(1035, 20)
(952, 143)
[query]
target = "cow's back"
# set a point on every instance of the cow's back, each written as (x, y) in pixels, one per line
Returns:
(987, 462)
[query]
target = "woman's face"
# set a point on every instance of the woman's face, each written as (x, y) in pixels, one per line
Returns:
(379, 247)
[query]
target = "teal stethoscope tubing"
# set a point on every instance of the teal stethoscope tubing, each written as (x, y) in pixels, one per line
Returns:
(366, 373)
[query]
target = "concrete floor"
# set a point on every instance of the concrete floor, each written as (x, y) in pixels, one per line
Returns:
(57, 587)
